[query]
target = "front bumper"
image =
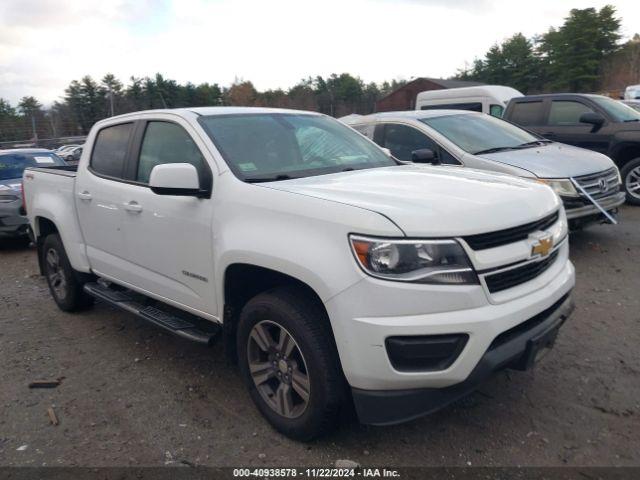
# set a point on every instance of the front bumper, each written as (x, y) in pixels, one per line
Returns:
(365, 315)
(574, 210)
(514, 348)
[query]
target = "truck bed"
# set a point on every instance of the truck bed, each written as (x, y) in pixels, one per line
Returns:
(49, 194)
(66, 170)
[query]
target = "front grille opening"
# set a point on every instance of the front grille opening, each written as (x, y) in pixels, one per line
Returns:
(516, 276)
(527, 325)
(483, 241)
(591, 183)
(425, 352)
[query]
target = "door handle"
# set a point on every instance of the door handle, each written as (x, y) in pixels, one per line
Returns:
(84, 195)
(133, 207)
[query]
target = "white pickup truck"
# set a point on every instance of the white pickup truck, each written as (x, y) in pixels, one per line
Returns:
(332, 274)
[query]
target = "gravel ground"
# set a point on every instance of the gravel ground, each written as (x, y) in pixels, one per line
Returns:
(132, 395)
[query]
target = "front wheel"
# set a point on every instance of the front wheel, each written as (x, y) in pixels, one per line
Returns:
(289, 362)
(65, 284)
(630, 174)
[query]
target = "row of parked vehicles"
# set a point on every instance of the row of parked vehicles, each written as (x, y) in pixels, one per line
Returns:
(339, 269)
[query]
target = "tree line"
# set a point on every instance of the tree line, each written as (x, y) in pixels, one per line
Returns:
(86, 101)
(584, 54)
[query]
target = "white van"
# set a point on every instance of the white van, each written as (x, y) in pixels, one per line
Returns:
(632, 92)
(491, 99)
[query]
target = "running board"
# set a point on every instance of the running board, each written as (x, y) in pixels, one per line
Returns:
(178, 325)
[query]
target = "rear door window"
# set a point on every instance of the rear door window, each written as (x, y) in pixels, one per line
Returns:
(527, 113)
(110, 150)
(567, 112)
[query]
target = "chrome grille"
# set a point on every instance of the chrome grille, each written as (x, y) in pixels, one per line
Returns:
(592, 183)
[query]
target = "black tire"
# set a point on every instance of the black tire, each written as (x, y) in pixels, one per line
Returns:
(632, 167)
(293, 310)
(65, 284)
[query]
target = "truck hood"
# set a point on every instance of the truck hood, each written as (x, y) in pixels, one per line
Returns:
(553, 160)
(433, 201)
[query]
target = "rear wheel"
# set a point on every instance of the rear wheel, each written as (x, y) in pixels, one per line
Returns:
(289, 362)
(630, 174)
(65, 284)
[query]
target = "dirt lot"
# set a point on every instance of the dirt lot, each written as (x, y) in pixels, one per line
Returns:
(132, 395)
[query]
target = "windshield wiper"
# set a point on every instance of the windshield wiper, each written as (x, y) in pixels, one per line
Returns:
(632, 120)
(535, 143)
(268, 179)
(494, 150)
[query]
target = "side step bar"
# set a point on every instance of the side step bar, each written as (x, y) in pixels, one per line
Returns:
(131, 302)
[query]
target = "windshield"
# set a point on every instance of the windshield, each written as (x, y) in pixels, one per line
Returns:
(618, 111)
(479, 133)
(278, 146)
(13, 164)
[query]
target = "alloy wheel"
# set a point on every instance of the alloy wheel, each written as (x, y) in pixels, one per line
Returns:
(278, 369)
(632, 183)
(55, 273)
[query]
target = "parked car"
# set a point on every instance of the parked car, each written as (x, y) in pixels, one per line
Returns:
(491, 99)
(13, 222)
(632, 92)
(635, 104)
(71, 154)
(62, 148)
(476, 140)
(331, 273)
(588, 121)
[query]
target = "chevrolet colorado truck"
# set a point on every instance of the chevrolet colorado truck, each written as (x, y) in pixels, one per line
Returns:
(334, 276)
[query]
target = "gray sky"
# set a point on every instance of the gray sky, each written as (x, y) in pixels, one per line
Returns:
(44, 44)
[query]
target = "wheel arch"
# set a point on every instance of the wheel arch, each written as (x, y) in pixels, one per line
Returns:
(242, 282)
(625, 153)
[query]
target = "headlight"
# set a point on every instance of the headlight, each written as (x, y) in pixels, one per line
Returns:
(562, 187)
(618, 175)
(418, 261)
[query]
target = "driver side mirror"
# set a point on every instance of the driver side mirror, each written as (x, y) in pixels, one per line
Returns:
(424, 155)
(592, 118)
(180, 179)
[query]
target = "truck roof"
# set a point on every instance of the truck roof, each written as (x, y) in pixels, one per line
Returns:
(214, 111)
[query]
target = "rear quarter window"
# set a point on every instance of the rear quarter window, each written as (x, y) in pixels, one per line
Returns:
(526, 113)
(110, 150)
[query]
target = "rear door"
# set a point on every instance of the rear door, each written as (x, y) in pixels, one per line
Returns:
(530, 114)
(169, 239)
(99, 191)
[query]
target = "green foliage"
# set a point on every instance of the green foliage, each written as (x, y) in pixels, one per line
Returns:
(568, 58)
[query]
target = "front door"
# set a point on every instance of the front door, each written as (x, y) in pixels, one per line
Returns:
(564, 124)
(169, 239)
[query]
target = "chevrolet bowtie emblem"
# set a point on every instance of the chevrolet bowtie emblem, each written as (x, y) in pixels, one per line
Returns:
(542, 247)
